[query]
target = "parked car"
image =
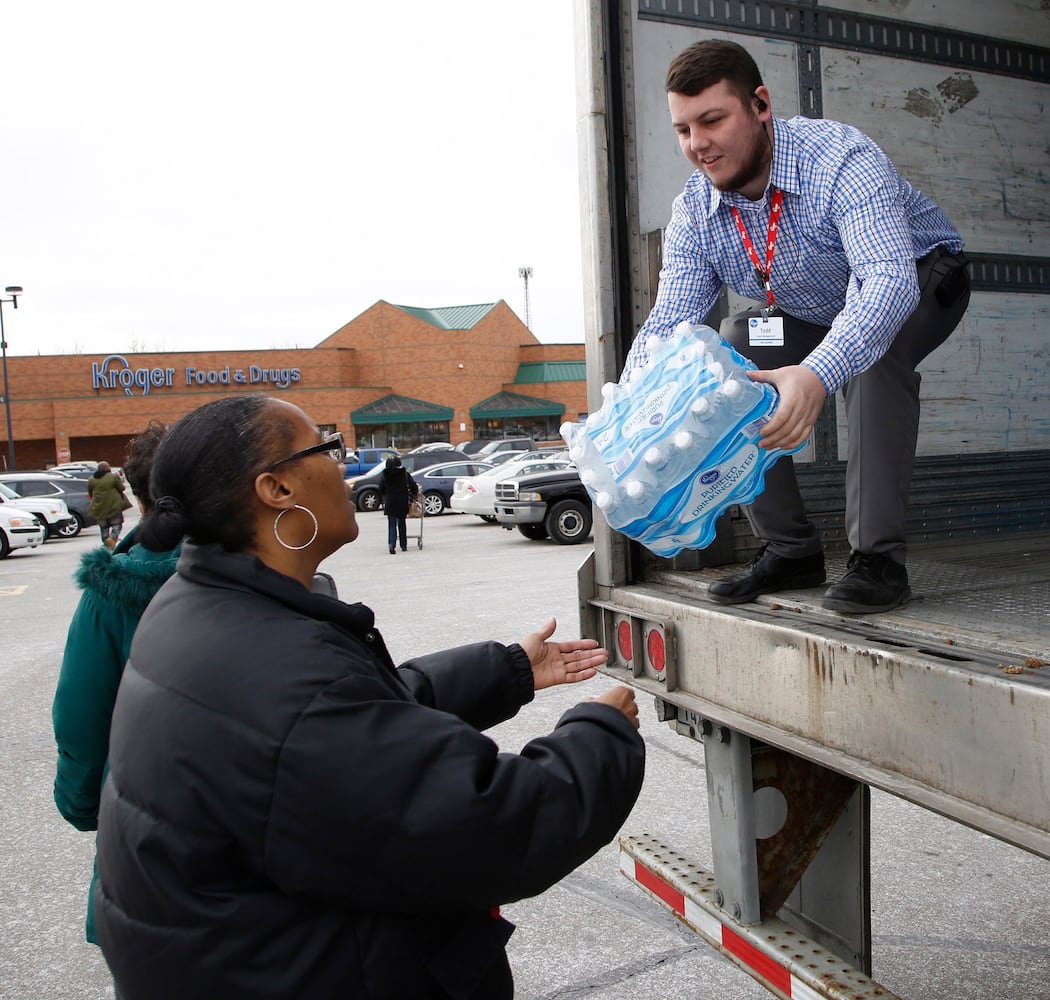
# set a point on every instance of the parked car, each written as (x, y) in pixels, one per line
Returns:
(72, 492)
(499, 457)
(364, 489)
(436, 482)
(490, 445)
(477, 494)
(18, 530)
(502, 457)
(559, 451)
(430, 446)
(507, 444)
(50, 512)
(78, 470)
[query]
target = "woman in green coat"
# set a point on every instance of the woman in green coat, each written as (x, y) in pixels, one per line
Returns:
(108, 502)
(117, 586)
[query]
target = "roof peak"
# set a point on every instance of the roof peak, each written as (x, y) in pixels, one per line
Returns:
(450, 317)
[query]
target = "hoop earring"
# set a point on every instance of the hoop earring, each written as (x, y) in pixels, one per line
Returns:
(277, 534)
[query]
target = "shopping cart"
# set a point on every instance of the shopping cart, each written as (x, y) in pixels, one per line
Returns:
(416, 515)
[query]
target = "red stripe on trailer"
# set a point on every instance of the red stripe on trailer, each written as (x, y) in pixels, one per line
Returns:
(818, 974)
(766, 967)
(656, 885)
(733, 943)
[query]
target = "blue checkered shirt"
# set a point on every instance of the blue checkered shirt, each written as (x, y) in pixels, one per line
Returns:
(851, 229)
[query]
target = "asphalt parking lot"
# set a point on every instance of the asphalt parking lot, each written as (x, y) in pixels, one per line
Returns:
(955, 913)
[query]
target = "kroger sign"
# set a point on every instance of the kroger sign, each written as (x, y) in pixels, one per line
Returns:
(114, 372)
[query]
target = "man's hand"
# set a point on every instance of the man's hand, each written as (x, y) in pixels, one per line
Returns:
(802, 397)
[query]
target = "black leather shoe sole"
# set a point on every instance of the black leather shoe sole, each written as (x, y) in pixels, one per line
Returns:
(852, 605)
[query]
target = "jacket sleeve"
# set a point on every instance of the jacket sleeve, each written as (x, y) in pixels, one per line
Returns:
(81, 712)
(484, 683)
(393, 805)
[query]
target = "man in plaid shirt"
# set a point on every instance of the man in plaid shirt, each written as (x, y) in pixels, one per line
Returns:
(861, 277)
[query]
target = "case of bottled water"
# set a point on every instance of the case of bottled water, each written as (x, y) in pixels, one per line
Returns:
(671, 449)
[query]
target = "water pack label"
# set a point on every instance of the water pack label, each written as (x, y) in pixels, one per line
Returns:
(651, 413)
(712, 484)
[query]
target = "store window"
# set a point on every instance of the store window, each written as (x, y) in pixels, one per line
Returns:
(403, 436)
(538, 428)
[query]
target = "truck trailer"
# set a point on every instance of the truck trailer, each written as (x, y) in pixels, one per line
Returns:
(801, 711)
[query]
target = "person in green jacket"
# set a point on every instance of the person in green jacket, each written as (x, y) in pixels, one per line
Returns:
(108, 503)
(117, 586)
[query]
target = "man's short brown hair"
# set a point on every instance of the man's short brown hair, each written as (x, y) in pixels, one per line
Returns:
(706, 63)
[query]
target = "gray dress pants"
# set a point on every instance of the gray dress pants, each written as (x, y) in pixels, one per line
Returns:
(882, 414)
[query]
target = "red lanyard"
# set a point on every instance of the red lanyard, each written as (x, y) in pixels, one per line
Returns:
(771, 242)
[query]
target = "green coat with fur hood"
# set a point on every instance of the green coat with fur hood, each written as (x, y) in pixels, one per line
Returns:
(117, 587)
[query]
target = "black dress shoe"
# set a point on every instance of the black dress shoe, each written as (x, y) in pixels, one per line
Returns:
(767, 573)
(393, 551)
(872, 583)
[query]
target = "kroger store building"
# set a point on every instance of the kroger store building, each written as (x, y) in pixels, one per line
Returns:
(395, 375)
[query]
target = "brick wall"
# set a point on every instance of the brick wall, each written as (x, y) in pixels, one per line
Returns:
(66, 401)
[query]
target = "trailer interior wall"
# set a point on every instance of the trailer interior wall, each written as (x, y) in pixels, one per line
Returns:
(975, 142)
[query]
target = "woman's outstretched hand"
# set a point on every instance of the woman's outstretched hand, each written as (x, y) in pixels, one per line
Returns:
(561, 662)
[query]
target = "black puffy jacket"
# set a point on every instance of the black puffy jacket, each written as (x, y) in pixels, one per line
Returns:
(290, 815)
(397, 488)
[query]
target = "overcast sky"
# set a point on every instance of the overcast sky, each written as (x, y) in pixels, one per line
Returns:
(239, 174)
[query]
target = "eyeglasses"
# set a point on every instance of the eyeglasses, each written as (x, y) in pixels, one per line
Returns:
(332, 446)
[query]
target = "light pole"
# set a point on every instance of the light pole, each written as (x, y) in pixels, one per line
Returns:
(14, 291)
(525, 273)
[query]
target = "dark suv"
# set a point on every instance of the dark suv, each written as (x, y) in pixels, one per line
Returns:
(547, 504)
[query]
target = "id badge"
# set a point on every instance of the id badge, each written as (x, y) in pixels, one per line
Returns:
(765, 331)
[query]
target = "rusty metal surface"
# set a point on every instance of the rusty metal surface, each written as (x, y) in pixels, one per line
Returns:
(815, 798)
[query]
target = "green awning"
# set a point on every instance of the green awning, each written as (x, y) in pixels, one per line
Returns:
(512, 404)
(393, 409)
(551, 371)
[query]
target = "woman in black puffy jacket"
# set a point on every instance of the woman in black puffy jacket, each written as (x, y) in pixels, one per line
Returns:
(398, 489)
(288, 813)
